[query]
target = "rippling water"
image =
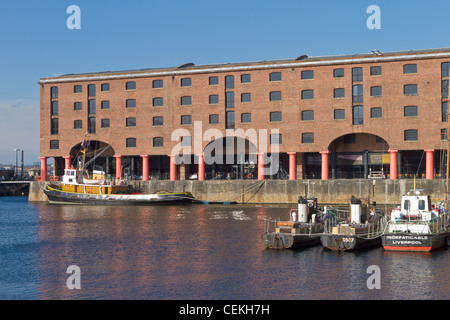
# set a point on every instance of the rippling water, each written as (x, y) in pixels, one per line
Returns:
(190, 252)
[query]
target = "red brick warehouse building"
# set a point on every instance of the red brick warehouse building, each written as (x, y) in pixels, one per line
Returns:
(337, 116)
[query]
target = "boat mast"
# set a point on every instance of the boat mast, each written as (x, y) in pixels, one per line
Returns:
(448, 142)
(84, 149)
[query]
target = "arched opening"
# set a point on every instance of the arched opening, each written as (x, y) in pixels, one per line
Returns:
(230, 158)
(98, 154)
(358, 155)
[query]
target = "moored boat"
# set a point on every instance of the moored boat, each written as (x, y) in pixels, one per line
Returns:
(355, 235)
(417, 225)
(79, 187)
(303, 229)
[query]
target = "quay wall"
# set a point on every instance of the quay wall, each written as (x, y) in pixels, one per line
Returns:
(337, 191)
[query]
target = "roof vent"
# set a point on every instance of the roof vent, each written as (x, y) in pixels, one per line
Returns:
(186, 65)
(302, 57)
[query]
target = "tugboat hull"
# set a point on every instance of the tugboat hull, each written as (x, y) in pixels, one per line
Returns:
(56, 196)
(338, 242)
(410, 242)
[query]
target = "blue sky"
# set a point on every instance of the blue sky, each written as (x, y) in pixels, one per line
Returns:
(118, 35)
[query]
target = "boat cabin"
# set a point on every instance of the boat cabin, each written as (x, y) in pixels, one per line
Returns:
(72, 176)
(413, 207)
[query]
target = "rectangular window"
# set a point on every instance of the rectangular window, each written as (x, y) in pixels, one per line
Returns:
(308, 137)
(186, 141)
(91, 106)
(358, 116)
(376, 113)
(276, 138)
(246, 97)
(91, 90)
(131, 143)
(186, 101)
(91, 125)
(307, 74)
(54, 126)
(444, 135)
(54, 92)
(130, 85)
(410, 68)
(339, 114)
(158, 142)
(130, 122)
(275, 76)
(229, 99)
(410, 90)
(275, 96)
(105, 123)
(229, 82)
(213, 81)
(77, 106)
(186, 82)
(375, 71)
(245, 78)
(357, 74)
(104, 87)
(156, 84)
(338, 73)
(54, 109)
(375, 91)
(410, 111)
(445, 69)
(77, 89)
(131, 103)
(105, 104)
(275, 116)
(213, 119)
(307, 94)
(308, 115)
(358, 93)
(158, 121)
(186, 120)
(77, 124)
(158, 102)
(246, 117)
(411, 135)
(339, 93)
(444, 110)
(229, 120)
(54, 144)
(445, 89)
(214, 99)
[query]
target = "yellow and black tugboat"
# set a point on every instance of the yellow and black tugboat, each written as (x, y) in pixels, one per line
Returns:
(79, 187)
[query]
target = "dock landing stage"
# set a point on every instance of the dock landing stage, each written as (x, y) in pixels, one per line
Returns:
(336, 191)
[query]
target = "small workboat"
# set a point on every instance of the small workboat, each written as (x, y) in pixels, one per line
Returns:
(417, 225)
(354, 235)
(304, 228)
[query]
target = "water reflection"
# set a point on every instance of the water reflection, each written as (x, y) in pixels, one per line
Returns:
(210, 252)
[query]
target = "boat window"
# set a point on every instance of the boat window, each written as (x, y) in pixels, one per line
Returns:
(421, 204)
(72, 173)
(406, 205)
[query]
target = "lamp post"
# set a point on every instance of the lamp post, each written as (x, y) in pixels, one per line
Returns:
(15, 168)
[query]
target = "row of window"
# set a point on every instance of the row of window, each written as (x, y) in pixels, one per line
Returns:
(357, 76)
(275, 139)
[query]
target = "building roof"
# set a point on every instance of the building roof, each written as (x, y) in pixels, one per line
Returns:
(302, 60)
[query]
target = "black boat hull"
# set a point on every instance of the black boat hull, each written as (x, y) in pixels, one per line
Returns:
(339, 242)
(276, 240)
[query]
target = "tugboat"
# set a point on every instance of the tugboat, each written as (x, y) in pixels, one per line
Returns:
(416, 225)
(355, 235)
(303, 229)
(79, 187)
